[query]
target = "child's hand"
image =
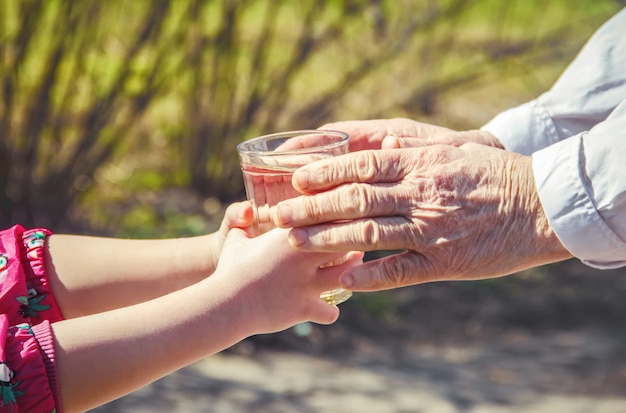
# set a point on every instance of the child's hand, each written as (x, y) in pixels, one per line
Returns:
(277, 286)
(237, 215)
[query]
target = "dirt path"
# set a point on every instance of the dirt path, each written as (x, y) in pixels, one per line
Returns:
(574, 372)
(550, 341)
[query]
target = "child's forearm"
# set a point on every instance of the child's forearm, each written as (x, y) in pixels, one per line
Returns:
(90, 274)
(104, 356)
(261, 285)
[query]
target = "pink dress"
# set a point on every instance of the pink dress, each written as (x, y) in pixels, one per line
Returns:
(28, 375)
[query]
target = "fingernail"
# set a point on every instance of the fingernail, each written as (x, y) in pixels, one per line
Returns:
(301, 179)
(298, 237)
(346, 280)
(392, 141)
(283, 215)
(244, 212)
(241, 214)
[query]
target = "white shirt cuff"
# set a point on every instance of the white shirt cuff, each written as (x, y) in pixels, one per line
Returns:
(569, 208)
(524, 129)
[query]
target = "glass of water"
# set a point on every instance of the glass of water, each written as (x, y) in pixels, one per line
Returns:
(269, 161)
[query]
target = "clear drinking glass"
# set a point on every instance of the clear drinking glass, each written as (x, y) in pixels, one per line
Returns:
(269, 161)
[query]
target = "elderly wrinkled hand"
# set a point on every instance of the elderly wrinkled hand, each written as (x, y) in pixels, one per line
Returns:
(406, 133)
(465, 212)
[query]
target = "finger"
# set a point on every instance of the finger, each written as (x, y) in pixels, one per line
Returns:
(356, 256)
(312, 139)
(430, 136)
(355, 201)
(396, 142)
(370, 134)
(346, 202)
(364, 166)
(391, 142)
(321, 312)
(327, 278)
(364, 134)
(238, 215)
(279, 237)
(352, 258)
(393, 271)
(236, 235)
(384, 233)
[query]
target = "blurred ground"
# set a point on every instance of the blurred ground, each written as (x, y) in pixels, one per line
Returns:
(550, 340)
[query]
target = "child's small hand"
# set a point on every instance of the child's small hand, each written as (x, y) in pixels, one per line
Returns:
(277, 286)
(237, 215)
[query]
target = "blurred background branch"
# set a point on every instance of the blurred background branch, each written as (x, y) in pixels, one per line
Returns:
(123, 117)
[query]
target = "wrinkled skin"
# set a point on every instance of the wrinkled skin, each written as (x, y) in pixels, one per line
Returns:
(406, 133)
(462, 212)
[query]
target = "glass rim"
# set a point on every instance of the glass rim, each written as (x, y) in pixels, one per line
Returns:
(344, 137)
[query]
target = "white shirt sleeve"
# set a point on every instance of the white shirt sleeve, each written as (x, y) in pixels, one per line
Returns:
(585, 94)
(576, 133)
(581, 182)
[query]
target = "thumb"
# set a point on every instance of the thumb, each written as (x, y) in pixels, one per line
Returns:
(323, 313)
(236, 234)
(393, 271)
(237, 215)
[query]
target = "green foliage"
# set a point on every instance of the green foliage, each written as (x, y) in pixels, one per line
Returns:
(106, 103)
(380, 305)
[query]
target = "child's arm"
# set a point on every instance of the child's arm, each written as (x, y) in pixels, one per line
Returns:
(261, 285)
(90, 274)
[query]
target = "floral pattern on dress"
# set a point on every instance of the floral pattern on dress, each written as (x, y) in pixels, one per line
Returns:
(8, 392)
(4, 268)
(31, 307)
(35, 239)
(27, 363)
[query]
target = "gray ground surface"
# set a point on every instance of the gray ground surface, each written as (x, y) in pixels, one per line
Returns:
(538, 343)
